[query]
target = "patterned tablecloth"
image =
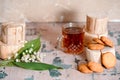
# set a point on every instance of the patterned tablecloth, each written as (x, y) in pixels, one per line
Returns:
(49, 33)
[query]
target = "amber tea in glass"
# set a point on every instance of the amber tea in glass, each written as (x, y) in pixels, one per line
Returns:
(72, 39)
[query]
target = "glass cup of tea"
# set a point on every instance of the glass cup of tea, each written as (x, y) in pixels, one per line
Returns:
(72, 38)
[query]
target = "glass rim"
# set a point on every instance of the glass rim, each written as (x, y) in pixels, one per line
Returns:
(73, 24)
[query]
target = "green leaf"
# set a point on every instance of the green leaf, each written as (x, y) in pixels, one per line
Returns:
(28, 45)
(36, 66)
(6, 63)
